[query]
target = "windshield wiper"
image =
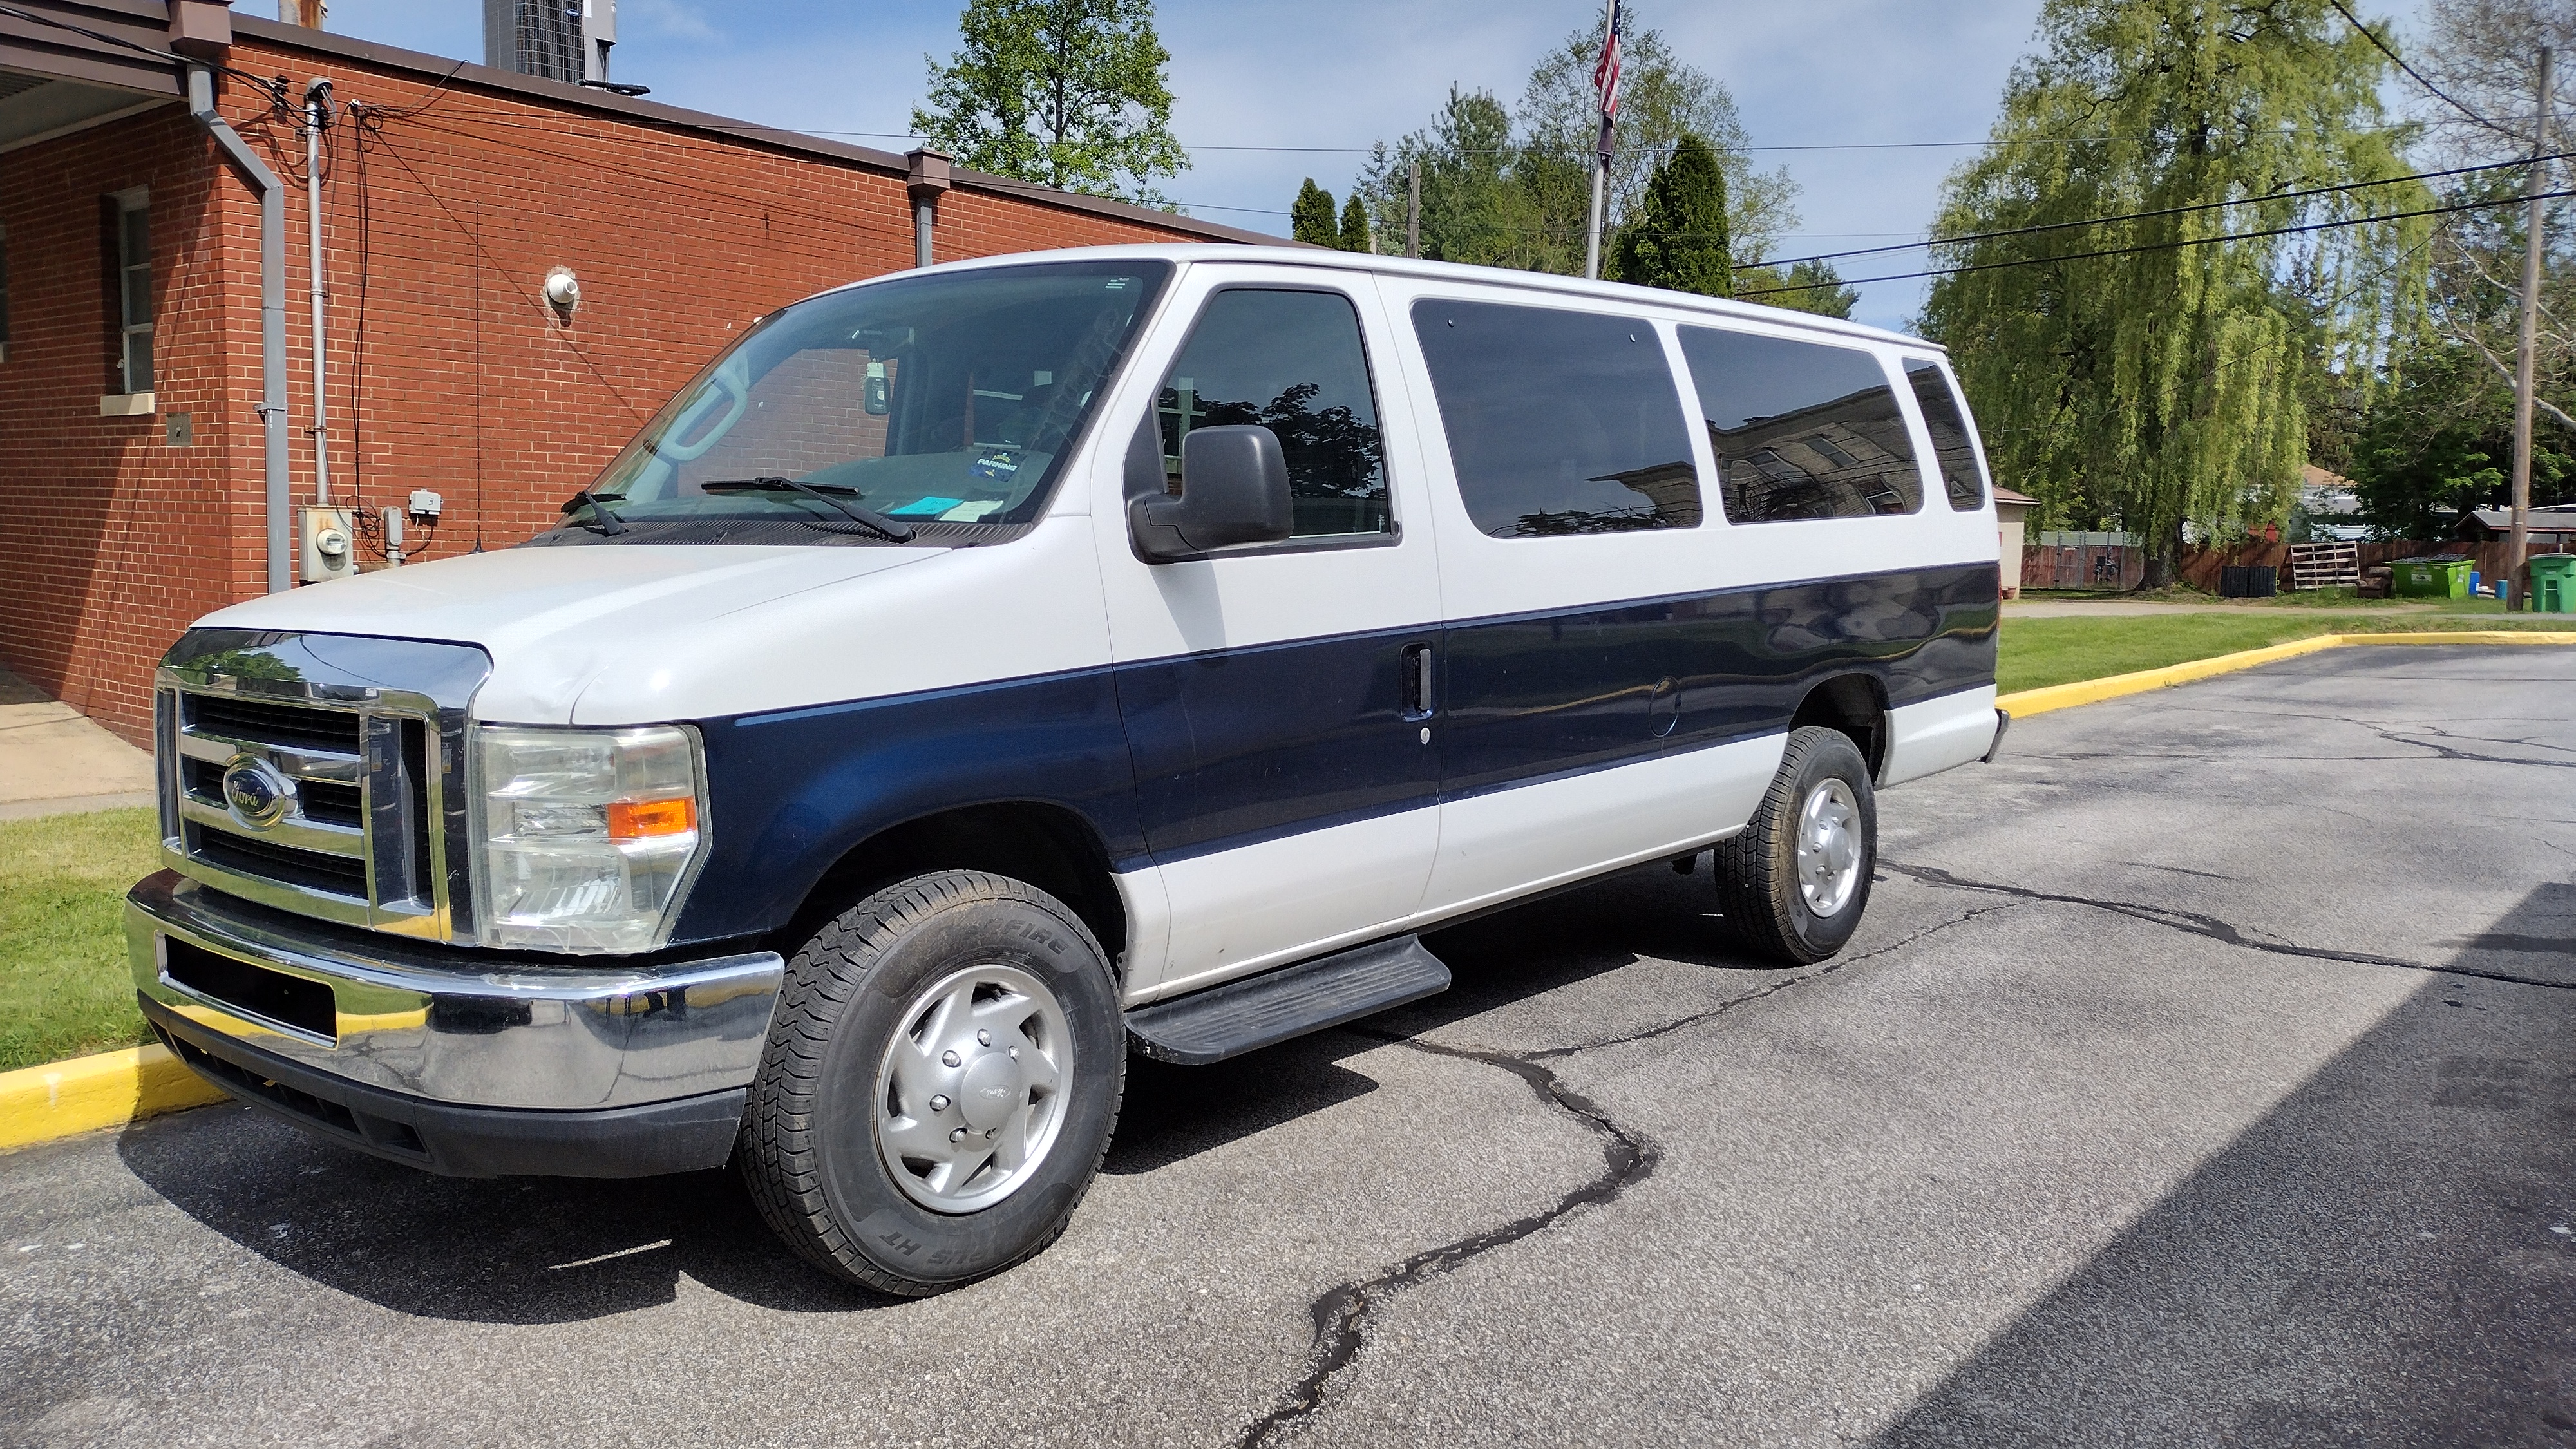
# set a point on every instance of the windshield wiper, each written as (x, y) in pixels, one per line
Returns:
(609, 524)
(771, 483)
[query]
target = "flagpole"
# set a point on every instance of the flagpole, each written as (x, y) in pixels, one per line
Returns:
(1605, 79)
(1592, 240)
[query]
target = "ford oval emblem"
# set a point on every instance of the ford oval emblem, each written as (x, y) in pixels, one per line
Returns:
(256, 791)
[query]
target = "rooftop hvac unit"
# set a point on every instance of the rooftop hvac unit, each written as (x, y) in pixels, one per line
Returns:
(563, 40)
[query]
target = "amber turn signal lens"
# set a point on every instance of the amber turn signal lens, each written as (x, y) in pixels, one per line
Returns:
(647, 819)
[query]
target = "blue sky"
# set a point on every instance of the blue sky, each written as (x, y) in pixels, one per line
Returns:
(1343, 73)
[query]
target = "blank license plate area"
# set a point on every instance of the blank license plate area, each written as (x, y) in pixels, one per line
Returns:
(289, 1000)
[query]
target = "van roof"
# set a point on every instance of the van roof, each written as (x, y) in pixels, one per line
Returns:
(1304, 256)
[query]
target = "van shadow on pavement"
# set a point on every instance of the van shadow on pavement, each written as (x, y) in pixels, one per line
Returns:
(502, 1250)
(2388, 1257)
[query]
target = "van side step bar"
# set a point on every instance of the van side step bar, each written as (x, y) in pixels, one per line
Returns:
(1259, 1011)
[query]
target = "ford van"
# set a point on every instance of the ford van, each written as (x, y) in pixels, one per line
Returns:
(983, 672)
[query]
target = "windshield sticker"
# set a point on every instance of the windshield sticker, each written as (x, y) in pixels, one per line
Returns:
(998, 465)
(969, 512)
(920, 506)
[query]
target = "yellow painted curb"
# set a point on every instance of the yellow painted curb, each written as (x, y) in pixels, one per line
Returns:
(2029, 702)
(110, 1089)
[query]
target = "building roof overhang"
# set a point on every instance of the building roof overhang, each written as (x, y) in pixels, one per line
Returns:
(66, 65)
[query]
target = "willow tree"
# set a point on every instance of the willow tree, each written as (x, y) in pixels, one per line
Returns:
(2151, 368)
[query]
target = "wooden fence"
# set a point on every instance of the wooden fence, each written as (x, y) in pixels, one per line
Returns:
(2112, 569)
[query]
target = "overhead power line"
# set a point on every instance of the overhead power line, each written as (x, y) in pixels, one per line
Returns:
(2411, 72)
(1962, 240)
(2197, 241)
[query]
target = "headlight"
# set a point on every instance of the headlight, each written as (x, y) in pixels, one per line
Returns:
(585, 837)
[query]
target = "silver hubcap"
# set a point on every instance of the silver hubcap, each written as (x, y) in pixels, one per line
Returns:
(1828, 847)
(971, 1093)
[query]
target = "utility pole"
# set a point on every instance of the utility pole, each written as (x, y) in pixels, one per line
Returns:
(2526, 365)
(1413, 212)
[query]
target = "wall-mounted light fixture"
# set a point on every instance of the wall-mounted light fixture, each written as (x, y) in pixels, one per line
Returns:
(563, 293)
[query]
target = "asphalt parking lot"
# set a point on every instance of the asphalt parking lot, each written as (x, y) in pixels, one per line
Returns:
(2201, 1074)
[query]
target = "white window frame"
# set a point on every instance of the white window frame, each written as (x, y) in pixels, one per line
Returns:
(128, 203)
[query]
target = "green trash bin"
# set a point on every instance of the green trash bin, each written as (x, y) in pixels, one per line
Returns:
(2553, 583)
(2445, 576)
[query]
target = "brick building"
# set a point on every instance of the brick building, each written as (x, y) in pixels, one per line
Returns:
(135, 356)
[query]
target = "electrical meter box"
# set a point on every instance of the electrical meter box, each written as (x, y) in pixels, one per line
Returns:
(330, 545)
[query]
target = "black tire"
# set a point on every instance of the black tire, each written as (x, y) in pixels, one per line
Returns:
(1758, 893)
(808, 1152)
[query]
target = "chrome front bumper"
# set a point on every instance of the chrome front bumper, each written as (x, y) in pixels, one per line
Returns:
(446, 1025)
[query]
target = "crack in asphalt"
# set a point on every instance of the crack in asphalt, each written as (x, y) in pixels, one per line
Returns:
(2452, 752)
(1771, 989)
(1341, 1314)
(2211, 927)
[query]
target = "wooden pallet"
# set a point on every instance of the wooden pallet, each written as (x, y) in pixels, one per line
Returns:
(2325, 565)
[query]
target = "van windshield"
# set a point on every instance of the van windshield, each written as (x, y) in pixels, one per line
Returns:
(942, 403)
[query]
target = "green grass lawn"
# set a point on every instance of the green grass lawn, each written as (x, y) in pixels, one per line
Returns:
(64, 987)
(2039, 652)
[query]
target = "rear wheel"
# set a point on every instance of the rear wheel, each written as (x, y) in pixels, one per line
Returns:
(940, 1084)
(1792, 885)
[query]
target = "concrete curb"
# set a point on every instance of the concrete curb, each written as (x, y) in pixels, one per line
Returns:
(2089, 691)
(39, 1104)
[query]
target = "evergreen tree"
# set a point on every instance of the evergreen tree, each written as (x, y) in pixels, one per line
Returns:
(1355, 225)
(1064, 93)
(2168, 385)
(1678, 239)
(1473, 210)
(1310, 216)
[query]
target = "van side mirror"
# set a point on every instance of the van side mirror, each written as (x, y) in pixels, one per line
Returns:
(1234, 489)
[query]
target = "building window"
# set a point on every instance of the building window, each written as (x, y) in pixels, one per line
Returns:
(4, 294)
(134, 289)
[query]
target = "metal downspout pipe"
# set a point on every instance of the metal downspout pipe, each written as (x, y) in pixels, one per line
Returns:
(926, 176)
(272, 319)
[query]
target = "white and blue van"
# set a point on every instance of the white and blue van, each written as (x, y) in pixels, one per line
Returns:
(981, 671)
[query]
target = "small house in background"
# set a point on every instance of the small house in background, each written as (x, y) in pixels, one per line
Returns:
(2553, 529)
(2331, 505)
(2010, 509)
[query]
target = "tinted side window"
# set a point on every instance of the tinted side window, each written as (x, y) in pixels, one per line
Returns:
(1558, 422)
(1291, 362)
(1801, 429)
(1953, 451)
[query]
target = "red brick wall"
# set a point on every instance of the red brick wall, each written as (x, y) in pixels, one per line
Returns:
(113, 539)
(446, 369)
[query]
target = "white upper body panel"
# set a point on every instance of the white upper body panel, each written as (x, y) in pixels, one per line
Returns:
(615, 634)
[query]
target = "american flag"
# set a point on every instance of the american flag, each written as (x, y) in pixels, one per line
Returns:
(1605, 78)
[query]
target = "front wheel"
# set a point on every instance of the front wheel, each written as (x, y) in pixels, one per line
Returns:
(1793, 883)
(940, 1084)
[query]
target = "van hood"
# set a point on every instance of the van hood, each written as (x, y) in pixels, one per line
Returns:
(555, 619)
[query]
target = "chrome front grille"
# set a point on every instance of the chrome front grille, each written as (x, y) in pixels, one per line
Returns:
(322, 774)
